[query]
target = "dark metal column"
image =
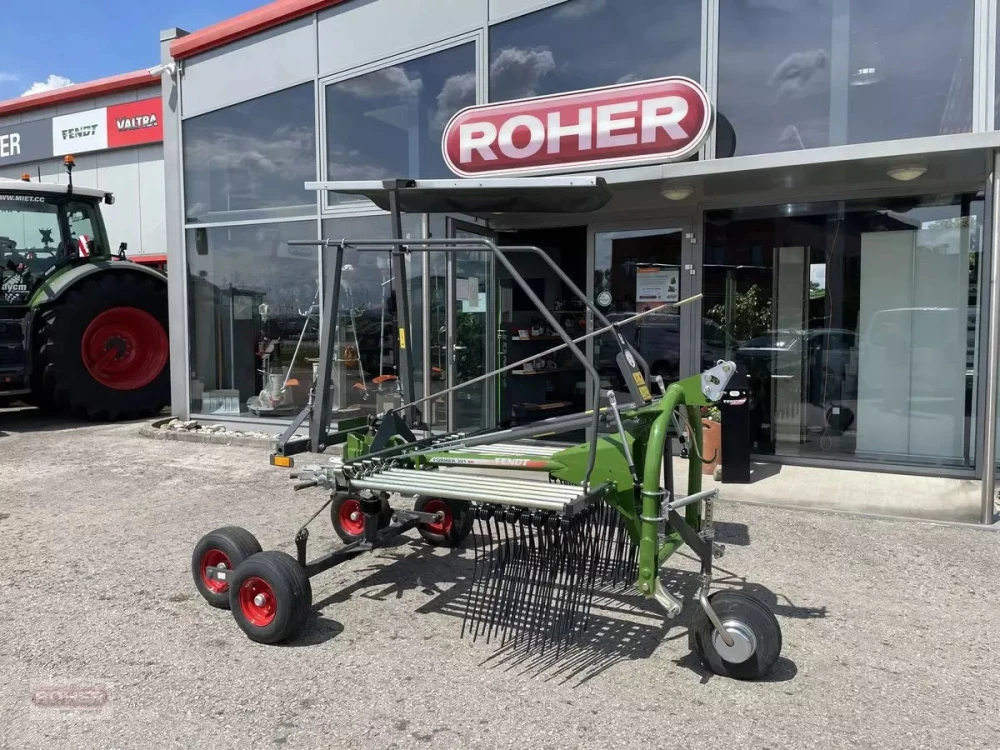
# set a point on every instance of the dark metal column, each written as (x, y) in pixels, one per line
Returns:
(400, 287)
(319, 422)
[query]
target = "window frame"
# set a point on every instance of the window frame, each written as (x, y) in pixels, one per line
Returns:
(364, 207)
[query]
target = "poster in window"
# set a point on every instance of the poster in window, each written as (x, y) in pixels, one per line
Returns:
(655, 285)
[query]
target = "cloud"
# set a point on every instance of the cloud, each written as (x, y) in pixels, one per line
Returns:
(381, 83)
(516, 71)
(578, 9)
(458, 91)
(7, 77)
(49, 84)
(801, 74)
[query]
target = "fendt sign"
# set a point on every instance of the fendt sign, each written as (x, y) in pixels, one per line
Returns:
(648, 122)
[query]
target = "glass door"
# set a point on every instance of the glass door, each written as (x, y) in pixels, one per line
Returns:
(639, 269)
(471, 331)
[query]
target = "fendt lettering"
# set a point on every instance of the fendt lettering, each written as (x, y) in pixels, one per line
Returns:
(646, 122)
(84, 131)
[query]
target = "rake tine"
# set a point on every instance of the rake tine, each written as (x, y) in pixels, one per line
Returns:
(497, 584)
(531, 579)
(475, 572)
(519, 571)
(488, 578)
(506, 593)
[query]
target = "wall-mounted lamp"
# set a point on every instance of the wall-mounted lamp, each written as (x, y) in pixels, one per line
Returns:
(906, 172)
(675, 192)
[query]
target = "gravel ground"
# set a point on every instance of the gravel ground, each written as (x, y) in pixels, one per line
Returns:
(891, 629)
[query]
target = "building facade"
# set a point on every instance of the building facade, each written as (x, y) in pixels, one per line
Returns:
(113, 128)
(836, 223)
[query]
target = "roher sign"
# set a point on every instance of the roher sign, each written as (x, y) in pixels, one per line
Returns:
(646, 122)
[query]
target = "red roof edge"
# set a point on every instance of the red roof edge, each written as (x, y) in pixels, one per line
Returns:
(110, 85)
(244, 25)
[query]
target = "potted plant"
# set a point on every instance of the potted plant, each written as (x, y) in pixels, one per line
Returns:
(711, 439)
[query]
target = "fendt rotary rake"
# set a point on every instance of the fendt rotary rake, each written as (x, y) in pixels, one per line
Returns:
(555, 523)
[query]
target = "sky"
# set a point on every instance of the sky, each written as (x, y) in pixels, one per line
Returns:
(52, 43)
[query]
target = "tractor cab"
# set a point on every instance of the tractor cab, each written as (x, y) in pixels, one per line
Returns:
(44, 227)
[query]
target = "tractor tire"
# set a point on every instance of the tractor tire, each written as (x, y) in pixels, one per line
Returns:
(103, 350)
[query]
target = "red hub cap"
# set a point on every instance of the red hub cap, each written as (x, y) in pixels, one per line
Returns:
(350, 517)
(213, 559)
(443, 526)
(257, 601)
(124, 348)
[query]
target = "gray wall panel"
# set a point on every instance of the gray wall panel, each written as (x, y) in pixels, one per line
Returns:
(368, 30)
(263, 63)
(152, 202)
(504, 9)
(118, 171)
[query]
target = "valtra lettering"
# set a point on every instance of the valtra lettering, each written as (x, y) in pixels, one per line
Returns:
(139, 122)
(647, 122)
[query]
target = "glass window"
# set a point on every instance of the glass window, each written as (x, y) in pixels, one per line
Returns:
(388, 124)
(253, 326)
(367, 372)
(585, 43)
(251, 160)
(857, 325)
(812, 73)
(83, 228)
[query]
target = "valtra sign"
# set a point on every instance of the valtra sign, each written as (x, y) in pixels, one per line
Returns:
(647, 122)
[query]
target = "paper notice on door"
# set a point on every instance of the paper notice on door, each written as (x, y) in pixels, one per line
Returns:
(472, 293)
(461, 289)
(655, 285)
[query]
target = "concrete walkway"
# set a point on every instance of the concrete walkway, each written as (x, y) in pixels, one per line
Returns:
(932, 498)
(891, 628)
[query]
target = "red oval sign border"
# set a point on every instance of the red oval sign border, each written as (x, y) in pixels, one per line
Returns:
(570, 166)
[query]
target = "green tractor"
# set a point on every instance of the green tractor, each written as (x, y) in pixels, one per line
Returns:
(83, 332)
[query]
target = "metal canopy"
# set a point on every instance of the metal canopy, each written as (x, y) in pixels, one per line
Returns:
(482, 197)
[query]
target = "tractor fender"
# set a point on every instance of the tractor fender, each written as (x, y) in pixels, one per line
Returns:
(55, 287)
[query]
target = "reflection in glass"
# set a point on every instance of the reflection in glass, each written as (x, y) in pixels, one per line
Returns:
(251, 160)
(819, 73)
(253, 327)
(388, 123)
(635, 271)
(367, 375)
(857, 326)
(585, 43)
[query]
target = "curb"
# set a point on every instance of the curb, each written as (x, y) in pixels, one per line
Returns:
(153, 432)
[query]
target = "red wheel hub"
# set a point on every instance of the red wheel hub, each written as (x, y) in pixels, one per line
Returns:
(350, 517)
(443, 526)
(124, 348)
(213, 558)
(257, 601)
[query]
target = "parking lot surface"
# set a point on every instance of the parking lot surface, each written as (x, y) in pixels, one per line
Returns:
(891, 629)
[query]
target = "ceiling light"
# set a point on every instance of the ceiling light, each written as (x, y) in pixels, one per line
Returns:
(676, 192)
(906, 172)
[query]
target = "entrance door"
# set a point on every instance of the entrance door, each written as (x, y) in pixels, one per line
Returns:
(637, 269)
(471, 331)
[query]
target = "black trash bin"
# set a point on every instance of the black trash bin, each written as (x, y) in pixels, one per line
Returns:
(734, 414)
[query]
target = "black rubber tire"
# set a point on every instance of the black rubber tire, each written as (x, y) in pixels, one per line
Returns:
(455, 532)
(235, 543)
(752, 612)
(384, 517)
(292, 596)
(60, 381)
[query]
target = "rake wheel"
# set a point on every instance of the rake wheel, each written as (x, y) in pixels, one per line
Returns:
(453, 528)
(755, 632)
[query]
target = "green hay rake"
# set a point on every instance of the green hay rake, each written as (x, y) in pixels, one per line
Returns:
(555, 524)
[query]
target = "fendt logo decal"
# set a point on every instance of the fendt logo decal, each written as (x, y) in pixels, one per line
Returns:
(648, 122)
(84, 131)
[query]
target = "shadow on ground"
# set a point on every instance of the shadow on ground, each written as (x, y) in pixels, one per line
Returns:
(620, 626)
(19, 420)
